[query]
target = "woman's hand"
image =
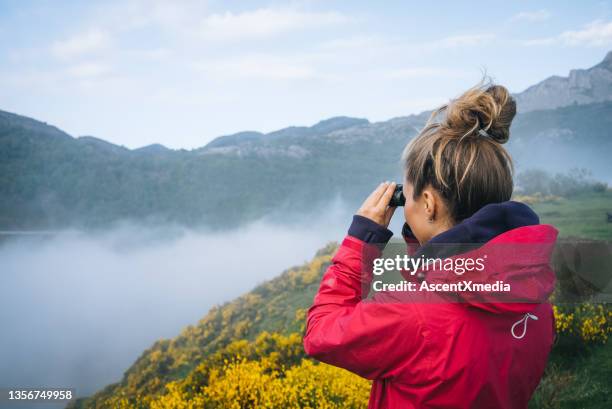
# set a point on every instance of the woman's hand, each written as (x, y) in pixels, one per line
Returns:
(376, 206)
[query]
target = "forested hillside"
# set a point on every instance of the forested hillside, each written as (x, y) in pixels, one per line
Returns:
(49, 180)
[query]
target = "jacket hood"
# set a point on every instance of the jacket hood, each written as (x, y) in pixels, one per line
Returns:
(487, 223)
(514, 251)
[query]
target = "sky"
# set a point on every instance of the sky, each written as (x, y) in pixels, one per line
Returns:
(181, 73)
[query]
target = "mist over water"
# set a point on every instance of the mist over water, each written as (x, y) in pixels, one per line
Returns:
(77, 309)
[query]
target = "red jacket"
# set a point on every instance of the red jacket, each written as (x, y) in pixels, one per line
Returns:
(469, 350)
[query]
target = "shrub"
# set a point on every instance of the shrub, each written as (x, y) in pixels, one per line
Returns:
(574, 182)
(583, 324)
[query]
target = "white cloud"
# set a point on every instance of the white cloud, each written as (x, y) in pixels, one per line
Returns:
(531, 16)
(265, 23)
(88, 70)
(88, 42)
(174, 16)
(595, 34)
(192, 19)
(466, 40)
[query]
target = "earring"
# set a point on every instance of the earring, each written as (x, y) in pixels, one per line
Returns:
(430, 220)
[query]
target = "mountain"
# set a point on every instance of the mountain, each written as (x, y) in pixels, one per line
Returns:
(250, 138)
(97, 144)
(17, 123)
(153, 149)
(50, 180)
(580, 87)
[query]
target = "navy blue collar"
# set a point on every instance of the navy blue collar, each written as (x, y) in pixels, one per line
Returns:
(488, 222)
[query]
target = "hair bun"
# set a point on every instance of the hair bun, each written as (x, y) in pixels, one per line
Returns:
(491, 109)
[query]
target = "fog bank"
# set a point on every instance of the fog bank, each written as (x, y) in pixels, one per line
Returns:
(78, 308)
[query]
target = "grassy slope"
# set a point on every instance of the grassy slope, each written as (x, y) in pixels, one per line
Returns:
(583, 216)
(577, 379)
(279, 305)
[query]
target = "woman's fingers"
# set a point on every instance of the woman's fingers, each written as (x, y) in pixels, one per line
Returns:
(375, 207)
(389, 214)
(375, 196)
(385, 198)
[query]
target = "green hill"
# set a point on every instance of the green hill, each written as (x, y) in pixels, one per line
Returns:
(50, 180)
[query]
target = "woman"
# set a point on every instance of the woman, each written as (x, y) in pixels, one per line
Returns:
(468, 350)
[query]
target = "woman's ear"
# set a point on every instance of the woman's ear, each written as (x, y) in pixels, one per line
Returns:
(429, 204)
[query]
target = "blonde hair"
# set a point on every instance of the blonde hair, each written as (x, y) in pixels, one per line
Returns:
(459, 152)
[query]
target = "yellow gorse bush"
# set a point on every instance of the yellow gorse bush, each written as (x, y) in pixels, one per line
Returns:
(536, 198)
(564, 322)
(272, 371)
(241, 383)
(592, 323)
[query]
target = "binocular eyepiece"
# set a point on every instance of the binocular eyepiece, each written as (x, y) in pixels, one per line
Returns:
(398, 198)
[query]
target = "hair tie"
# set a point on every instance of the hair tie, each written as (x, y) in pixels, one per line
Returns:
(484, 133)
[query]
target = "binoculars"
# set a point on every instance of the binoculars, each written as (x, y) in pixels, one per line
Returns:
(398, 198)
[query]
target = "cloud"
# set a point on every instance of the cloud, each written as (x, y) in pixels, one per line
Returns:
(595, 34)
(174, 17)
(265, 23)
(88, 70)
(88, 42)
(466, 40)
(97, 300)
(192, 19)
(531, 16)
